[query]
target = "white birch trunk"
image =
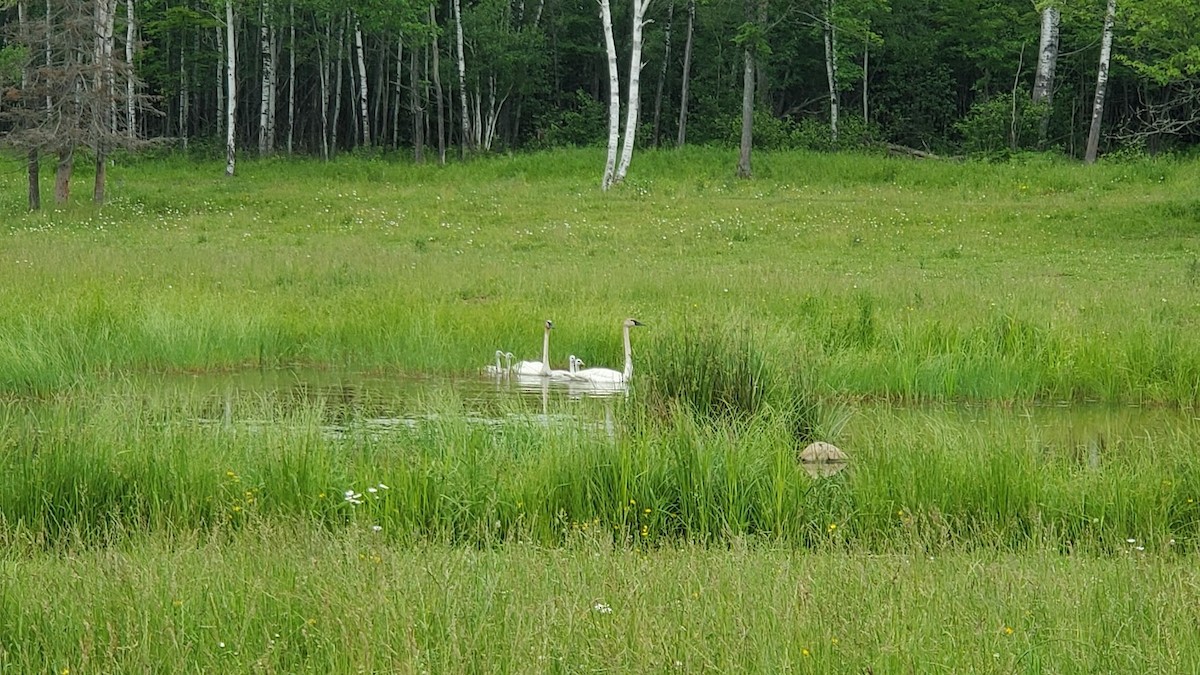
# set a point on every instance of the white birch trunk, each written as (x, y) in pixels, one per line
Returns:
(272, 87)
(614, 96)
(681, 137)
(831, 69)
(1093, 142)
(633, 104)
(462, 76)
(130, 108)
(362, 83)
(231, 85)
(1043, 84)
(291, 74)
(264, 44)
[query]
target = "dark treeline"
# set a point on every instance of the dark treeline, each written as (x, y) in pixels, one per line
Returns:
(326, 76)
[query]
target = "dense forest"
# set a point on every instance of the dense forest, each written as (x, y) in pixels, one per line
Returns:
(476, 76)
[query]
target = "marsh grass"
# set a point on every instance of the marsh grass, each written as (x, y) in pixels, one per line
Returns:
(141, 528)
(91, 468)
(286, 598)
(1064, 284)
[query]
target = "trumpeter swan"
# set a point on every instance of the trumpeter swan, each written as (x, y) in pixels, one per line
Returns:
(497, 369)
(537, 368)
(608, 375)
(568, 374)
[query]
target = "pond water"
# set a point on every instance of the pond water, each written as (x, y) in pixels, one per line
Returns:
(384, 402)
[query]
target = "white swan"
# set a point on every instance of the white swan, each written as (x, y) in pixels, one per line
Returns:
(608, 375)
(568, 374)
(497, 369)
(537, 368)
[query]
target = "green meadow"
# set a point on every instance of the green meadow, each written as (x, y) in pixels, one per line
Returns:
(1009, 353)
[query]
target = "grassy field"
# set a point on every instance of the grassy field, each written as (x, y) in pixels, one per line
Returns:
(928, 317)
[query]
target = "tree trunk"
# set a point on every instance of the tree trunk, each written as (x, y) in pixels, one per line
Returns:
(323, 73)
(831, 69)
(362, 83)
(687, 73)
(231, 99)
(633, 104)
(662, 71)
(291, 74)
(614, 96)
(62, 176)
(130, 108)
(462, 79)
(437, 91)
(1043, 84)
(1101, 83)
(744, 170)
(337, 89)
(184, 95)
(264, 43)
(103, 92)
(220, 78)
(32, 158)
(33, 165)
(417, 109)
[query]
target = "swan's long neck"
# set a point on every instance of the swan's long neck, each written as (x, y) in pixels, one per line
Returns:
(628, 357)
(498, 355)
(546, 351)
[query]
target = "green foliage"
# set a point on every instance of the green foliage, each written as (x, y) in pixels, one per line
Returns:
(1001, 125)
(580, 123)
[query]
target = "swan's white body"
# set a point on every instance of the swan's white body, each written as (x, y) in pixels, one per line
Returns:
(608, 375)
(537, 368)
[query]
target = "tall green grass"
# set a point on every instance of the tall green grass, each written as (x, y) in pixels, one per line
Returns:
(874, 277)
(285, 599)
(87, 468)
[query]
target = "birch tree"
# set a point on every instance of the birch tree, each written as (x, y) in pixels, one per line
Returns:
(462, 79)
(614, 96)
(130, 91)
(1043, 83)
(362, 82)
(268, 76)
(1093, 141)
(633, 104)
(230, 91)
(831, 67)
